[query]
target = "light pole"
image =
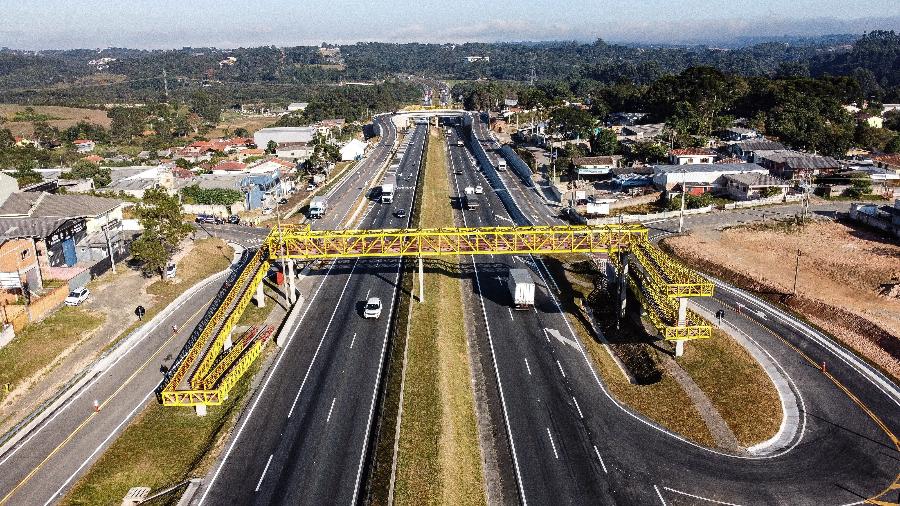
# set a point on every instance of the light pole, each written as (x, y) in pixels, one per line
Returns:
(683, 191)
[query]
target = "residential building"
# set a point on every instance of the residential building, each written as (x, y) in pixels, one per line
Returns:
(790, 164)
(474, 59)
(282, 135)
(592, 166)
(888, 162)
(753, 185)
(228, 166)
(295, 151)
(737, 134)
(353, 150)
(93, 158)
(137, 180)
(746, 150)
(641, 132)
(700, 177)
(8, 186)
(870, 120)
(686, 156)
(19, 267)
(297, 106)
(84, 145)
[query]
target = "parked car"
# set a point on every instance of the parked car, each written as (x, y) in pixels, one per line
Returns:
(282, 201)
(171, 271)
(267, 210)
(310, 187)
(208, 218)
(479, 190)
(373, 308)
(77, 296)
(234, 219)
(400, 213)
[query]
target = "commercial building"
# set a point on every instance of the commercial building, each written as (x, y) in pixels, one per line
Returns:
(790, 164)
(593, 166)
(281, 135)
(353, 150)
(753, 185)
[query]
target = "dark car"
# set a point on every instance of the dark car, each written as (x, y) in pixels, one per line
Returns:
(208, 218)
(400, 213)
(234, 219)
(282, 201)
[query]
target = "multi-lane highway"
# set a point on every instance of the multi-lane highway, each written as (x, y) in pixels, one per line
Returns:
(305, 438)
(571, 442)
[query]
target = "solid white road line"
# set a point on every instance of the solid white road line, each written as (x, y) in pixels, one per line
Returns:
(659, 494)
(528, 367)
(353, 340)
(510, 313)
(602, 464)
(552, 444)
(265, 470)
(707, 499)
(560, 369)
(580, 414)
(330, 410)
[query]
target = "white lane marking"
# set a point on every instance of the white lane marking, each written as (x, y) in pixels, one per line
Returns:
(510, 313)
(559, 337)
(707, 499)
(659, 494)
(555, 454)
(368, 292)
(547, 335)
(560, 369)
(602, 464)
(99, 447)
(316, 354)
(580, 414)
(330, 410)
(353, 340)
(527, 367)
(263, 475)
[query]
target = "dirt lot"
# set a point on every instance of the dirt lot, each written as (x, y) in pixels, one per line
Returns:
(842, 270)
(64, 117)
(231, 121)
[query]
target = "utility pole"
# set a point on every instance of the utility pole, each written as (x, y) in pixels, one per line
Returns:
(112, 260)
(796, 271)
(683, 191)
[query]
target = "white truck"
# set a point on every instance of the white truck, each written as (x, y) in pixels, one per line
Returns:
(521, 288)
(317, 207)
(470, 199)
(501, 164)
(388, 186)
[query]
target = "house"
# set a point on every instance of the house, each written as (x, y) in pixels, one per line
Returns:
(353, 150)
(134, 181)
(297, 106)
(93, 158)
(886, 108)
(641, 132)
(625, 118)
(746, 150)
(790, 164)
(588, 166)
(737, 134)
(8, 186)
(19, 268)
(626, 178)
(753, 185)
(84, 145)
(510, 103)
(229, 166)
(192, 154)
(700, 177)
(295, 151)
(685, 156)
(888, 162)
(886, 218)
(243, 155)
(281, 135)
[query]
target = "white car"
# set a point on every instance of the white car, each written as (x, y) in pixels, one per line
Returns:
(171, 271)
(310, 187)
(77, 296)
(479, 190)
(373, 308)
(267, 211)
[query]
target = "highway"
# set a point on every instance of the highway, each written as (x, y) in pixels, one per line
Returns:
(305, 438)
(840, 453)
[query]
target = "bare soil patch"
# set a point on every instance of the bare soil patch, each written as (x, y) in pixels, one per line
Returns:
(64, 117)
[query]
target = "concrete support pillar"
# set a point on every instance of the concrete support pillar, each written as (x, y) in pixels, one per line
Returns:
(682, 311)
(623, 290)
(292, 287)
(679, 348)
(201, 409)
(421, 281)
(260, 295)
(229, 342)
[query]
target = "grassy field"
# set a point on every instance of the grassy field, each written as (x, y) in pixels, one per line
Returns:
(60, 117)
(39, 344)
(439, 460)
(233, 120)
(162, 447)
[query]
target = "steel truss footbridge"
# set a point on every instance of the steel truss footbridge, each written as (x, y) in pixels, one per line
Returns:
(212, 361)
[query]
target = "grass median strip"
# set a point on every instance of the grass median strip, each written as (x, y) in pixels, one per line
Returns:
(439, 461)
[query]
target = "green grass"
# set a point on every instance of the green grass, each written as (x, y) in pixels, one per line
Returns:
(737, 386)
(39, 344)
(160, 448)
(439, 461)
(254, 315)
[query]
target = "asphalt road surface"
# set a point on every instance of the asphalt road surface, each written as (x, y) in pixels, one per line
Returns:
(305, 438)
(572, 443)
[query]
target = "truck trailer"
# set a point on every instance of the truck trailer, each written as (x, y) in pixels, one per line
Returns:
(317, 207)
(521, 288)
(388, 186)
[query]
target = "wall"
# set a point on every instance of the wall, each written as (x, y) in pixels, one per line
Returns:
(18, 315)
(778, 199)
(639, 218)
(216, 210)
(517, 165)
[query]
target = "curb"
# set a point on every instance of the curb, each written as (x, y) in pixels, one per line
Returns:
(36, 418)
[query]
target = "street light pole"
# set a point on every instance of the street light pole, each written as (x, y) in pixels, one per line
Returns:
(683, 190)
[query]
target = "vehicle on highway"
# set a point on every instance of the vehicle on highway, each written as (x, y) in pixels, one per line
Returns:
(458, 171)
(77, 296)
(171, 271)
(373, 308)
(317, 207)
(208, 218)
(521, 288)
(501, 164)
(310, 187)
(459, 143)
(470, 200)
(387, 189)
(234, 219)
(479, 190)
(400, 213)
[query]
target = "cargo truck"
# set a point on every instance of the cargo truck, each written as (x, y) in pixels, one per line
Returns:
(501, 164)
(521, 288)
(317, 207)
(388, 186)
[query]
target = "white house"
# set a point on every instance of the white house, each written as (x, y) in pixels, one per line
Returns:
(353, 150)
(295, 151)
(283, 135)
(700, 176)
(587, 166)
(297, 106)
(84, 145)
(691, 156)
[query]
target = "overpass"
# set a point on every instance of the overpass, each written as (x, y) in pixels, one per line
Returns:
(211, 363)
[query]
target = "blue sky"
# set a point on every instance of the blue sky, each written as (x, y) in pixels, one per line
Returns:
(30, 24)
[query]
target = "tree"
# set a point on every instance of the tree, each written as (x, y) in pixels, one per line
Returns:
(605, 143)
(206, 106)
(271, 147)
(241, 132)
(84, 169)
(164, 227)
(893, 146)
(211, 196)
(26, 175)
(7, 140)
(571, 122)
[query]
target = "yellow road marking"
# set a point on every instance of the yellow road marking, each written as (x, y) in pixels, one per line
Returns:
(68, 438)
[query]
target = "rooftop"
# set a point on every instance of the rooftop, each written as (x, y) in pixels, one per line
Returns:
(692, 152)
(48, 205)
(596, 160)
(798, 159)
(756, 179)
(708, 167)
(759, 144)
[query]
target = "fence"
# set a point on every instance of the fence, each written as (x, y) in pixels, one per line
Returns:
(20, 316)
(640, 218)
(779, 199)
